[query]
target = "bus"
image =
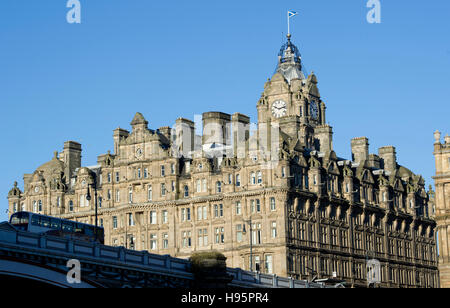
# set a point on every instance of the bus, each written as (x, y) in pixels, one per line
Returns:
(41, 224)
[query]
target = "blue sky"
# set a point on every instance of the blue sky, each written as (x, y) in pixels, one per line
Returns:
(170, 59)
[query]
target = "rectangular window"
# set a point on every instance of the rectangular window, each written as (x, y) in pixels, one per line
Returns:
(238, 180)
(185, 214)
(259, 181)
(274, 229)
(153, 241)
(145, 173)
(130, 195)
(130, 219)
(204, 188)
(273, 206)
(172, 168)
(268, 264)
(114, 222)
(205, 212)
(165, 217)
(163, 171)
(163, 189)
(199, 213)
(150, 193)
(117, 177)
(186, 239)
(239, 233)
(218, 210)
(220, 235)
(302, 231)
(165, 240)
(202, 237)
(153, 217)
(238, 208)
(256, 233)
(109, 178)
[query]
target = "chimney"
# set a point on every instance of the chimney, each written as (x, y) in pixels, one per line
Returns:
(325, 135)
(166, 131)
(388, 158)
(185, 137)
(241, 133)
(119, 134)
(72, 158)
(360, 149)
(216, 128)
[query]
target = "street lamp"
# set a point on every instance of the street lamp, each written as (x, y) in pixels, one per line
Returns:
(88, 198)
(251, 242)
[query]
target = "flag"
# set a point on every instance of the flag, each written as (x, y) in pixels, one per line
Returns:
(292, 14)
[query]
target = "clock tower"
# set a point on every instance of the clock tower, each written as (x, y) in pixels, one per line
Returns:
(292, 100)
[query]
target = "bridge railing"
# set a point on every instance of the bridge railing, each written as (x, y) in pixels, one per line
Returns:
(80, 249)
(141, 260)
(256, 279)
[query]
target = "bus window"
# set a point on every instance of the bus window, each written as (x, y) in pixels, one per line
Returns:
(35, 220)
(56, 224)
(89, 231)
(20, 221)
(45, 222)
(79, 229)
(67, 226)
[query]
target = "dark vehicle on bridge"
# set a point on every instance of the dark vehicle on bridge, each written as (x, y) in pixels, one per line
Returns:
(36, 223)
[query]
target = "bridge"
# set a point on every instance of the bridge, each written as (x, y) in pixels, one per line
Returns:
(39, 259)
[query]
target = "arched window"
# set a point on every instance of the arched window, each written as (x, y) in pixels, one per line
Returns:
(253, 178)
(273, 206)
(219, 187)
(259, 177)
(130, 195)
(186, 191)
(238, 180)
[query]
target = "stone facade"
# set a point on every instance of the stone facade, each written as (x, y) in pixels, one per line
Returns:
(442, 204)
(276, 197)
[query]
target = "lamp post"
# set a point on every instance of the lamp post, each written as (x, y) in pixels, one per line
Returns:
(251, 242)
(88, 198)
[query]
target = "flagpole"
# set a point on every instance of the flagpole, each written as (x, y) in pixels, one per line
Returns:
(289, 30)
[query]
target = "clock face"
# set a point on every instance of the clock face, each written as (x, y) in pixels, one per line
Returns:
(36, 189)
(279, 109)
(139, 153)
(314, 109)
